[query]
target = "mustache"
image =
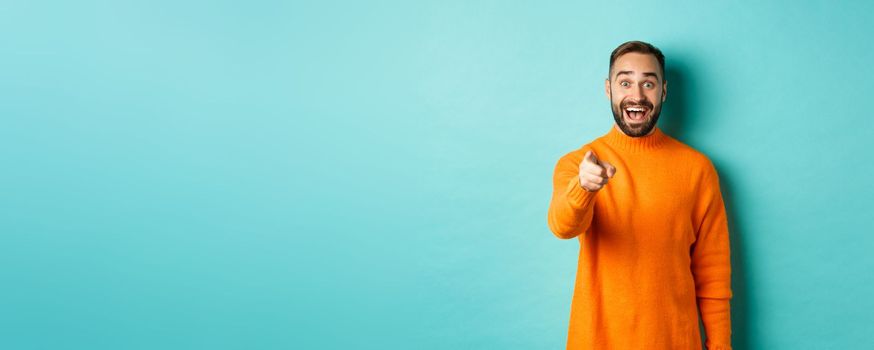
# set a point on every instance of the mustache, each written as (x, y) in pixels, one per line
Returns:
(642, 103)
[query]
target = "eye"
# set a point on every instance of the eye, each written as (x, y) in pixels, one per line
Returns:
(648, 85)
(624, 83)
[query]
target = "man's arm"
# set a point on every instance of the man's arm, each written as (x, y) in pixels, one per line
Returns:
(572, 206)
(711, 263)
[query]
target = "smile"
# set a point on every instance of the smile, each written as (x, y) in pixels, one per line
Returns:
(636, 113)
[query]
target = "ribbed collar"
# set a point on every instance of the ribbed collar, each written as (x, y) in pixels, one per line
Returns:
(635, 144)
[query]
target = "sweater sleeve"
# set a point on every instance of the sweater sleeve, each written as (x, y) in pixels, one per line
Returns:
(711, 263)
(572, 206)
(716, 315)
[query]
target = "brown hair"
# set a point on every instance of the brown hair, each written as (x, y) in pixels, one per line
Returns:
(639, 47)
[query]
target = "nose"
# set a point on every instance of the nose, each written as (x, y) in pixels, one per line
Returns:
(638, 92)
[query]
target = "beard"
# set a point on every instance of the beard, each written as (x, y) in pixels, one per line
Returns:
(638, 129)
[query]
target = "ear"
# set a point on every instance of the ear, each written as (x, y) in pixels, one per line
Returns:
(607, 88)
(664, 90)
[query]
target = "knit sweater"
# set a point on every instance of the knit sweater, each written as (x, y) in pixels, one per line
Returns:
(654, 246)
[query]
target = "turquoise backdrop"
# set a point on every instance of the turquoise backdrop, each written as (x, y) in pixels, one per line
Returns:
(376, 175)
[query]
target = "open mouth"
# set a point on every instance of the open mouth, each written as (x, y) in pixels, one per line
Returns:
(636, 114)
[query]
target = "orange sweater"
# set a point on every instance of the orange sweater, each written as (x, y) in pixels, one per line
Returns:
(653, 246)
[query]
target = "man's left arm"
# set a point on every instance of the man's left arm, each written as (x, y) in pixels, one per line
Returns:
(711, 262)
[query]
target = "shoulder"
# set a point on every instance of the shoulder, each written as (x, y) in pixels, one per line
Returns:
(576, 155)
(702, 173)
(696, 160)
(570, 161)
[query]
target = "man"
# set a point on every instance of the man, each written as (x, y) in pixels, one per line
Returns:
(649, 216)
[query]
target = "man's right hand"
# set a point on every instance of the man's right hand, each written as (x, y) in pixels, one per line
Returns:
(595, 173)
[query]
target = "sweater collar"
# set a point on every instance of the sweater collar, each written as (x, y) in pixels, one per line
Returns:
(619, 140)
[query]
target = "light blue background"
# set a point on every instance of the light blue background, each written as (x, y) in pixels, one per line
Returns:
(325, 175)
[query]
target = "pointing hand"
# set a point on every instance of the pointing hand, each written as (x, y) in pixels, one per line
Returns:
(595, 173)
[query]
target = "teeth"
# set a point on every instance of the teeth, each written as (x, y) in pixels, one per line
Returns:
(634, 109)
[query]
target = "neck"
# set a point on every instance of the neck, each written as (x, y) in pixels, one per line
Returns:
(653, 140)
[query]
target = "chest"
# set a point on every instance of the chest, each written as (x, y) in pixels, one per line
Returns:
(648, 203)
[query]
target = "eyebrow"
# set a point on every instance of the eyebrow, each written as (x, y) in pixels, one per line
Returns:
(646, 74)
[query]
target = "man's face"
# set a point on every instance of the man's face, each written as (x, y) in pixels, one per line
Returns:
(636, 89)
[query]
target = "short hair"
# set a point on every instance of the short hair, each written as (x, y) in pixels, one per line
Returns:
(638, 47)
